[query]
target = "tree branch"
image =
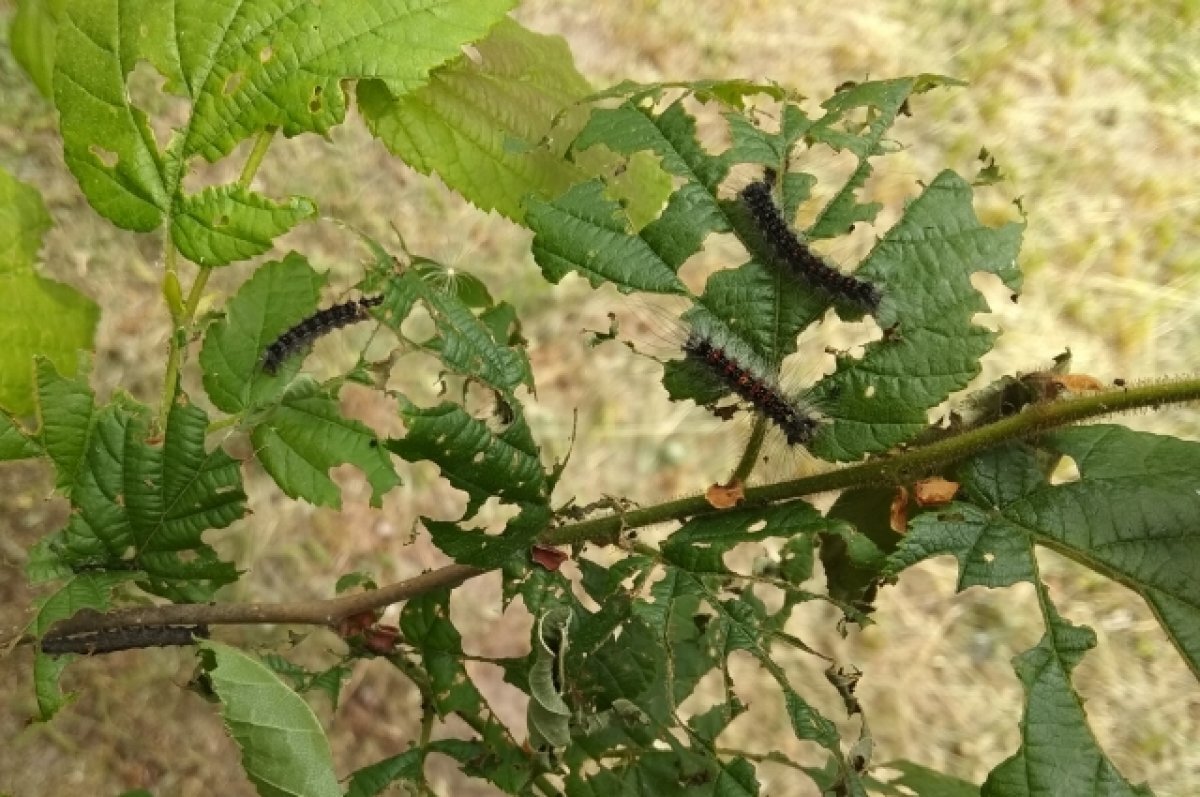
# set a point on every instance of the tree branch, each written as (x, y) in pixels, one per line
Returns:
(317, 612)
(886, 470)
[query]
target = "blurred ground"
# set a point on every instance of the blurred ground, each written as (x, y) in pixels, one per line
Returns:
(1091, 109)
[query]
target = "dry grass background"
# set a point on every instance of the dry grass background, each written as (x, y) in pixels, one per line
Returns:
(1091, 108)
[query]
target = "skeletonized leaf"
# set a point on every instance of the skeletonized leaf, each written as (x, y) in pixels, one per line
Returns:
(476, 548)
(463, 340)
(373, 779)
(905, 778)
(425, 623)
(41, 317)
(517, 83)
(306, 435)
(284, 750)
(923, 265)
(1058, 753)
(472, 456)
(701, 544)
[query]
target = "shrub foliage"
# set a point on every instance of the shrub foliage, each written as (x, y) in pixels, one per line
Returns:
(617, 188)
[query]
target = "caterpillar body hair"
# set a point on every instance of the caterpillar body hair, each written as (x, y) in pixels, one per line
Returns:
(762, 393)
(319, 323)
(801, 260)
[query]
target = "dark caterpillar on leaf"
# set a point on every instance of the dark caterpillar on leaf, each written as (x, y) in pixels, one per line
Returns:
(806, 264)
(762, 393)
(303, 334)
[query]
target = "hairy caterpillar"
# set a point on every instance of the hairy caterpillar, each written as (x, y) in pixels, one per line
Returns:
(762, 393)
(319, 323)
(796, 255)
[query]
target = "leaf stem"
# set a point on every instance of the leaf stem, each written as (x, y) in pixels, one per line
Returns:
(261, 143)
(750, 455)
(183, 321)
(174, 355)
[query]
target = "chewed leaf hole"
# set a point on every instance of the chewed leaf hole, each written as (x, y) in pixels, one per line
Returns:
(1065, 472)
(105, 156)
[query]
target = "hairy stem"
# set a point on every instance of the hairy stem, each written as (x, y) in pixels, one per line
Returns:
(892, 469)
(750, 455)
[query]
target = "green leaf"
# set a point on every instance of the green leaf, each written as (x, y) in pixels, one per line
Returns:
(462, 340)
(548, 716)
(373, 779)
(1130, 516)
(82, 591)
(14, 441)
(31, 299)
(242, 67)
(66, 407)
(614, 668)
(45, 562)
(671, 615)
(709, 724)
(923, 266)
(480, 121)
(1058, 753)
(917, 779)
(504, 765)
(31, 37)
(585, 231)
(661, 773)
(229, 223)
(701, 544)
(47, 672)
(425, 623)
(474, 458)
(284, 751)
(278, 296)
(841, 128)
(479, 549)
(144, 506)
(328, 680)
(299, 440)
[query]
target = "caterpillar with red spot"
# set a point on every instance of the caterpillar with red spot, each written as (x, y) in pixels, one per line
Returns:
(322, 322)
(796, 255)
(759, 391)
